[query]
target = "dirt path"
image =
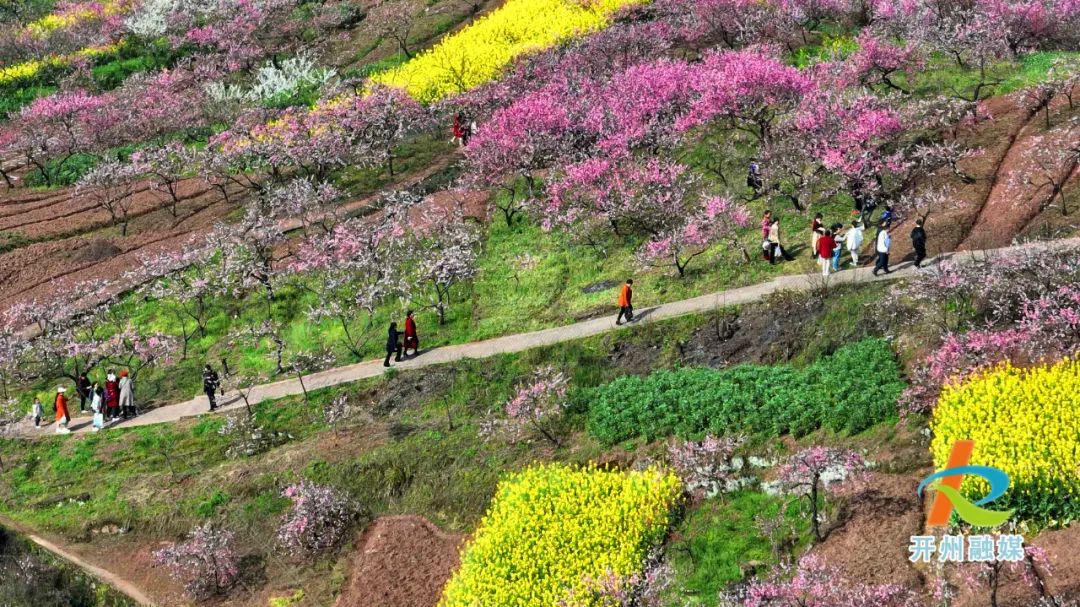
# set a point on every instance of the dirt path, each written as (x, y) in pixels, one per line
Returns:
(115, 581)
(524, 341)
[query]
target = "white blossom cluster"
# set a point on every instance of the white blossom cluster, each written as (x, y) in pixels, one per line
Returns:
(274, 81)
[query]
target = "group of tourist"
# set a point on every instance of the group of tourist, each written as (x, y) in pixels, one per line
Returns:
(108, 401)
(827, 244)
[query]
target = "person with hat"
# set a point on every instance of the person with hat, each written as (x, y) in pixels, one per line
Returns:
(127, 396)
(62, 415)
(112, 397)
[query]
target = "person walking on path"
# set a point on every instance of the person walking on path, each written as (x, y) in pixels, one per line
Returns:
(884, 243)
(393, 344)
(775, 245)
(918, 242)
(82, 387)
(112, 397)
(825, 245)
(411, 338)
(37, 411)
(62, 415)
(853, 240)
(127, 396)
(766, 223)
(459, 130)
(210, 385)
(753, 177)
(97, 405)
(626, 302)
(817, 228)
(838, 245)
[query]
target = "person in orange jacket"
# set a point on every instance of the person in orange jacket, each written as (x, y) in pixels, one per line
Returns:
(62, 416)
(626, 302)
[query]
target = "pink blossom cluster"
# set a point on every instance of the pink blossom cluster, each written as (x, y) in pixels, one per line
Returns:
(704, 466)
(206, 564)
(814, 583)
(317, 522)
(814, 471)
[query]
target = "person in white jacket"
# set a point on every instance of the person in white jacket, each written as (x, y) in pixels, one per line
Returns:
(853, 241)
(884, 242)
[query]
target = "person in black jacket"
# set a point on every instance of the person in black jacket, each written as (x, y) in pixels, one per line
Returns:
(82, 386)
(918, 242)
(393, 344)
(210, 385)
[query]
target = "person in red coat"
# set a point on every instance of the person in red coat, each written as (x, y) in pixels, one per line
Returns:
(411, 339)
(112, 396)
(459, 130)
(825, 245)
(62, 415)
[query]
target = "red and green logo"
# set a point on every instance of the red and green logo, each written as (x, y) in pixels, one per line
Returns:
(948, 498)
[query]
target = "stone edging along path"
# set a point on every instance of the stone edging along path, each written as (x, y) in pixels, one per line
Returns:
(525, 341)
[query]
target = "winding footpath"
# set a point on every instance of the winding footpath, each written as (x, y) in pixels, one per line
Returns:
(111, 579)
(525, 341)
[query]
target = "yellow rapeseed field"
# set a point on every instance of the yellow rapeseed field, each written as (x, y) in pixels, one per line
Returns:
(1023, 421)
(480, 51)
(551, 527)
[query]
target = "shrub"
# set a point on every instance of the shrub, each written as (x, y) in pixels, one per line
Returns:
(1023, 421)
(318, 520)
(206, 564)
(551, 529)
(850, 391)
(479, 52)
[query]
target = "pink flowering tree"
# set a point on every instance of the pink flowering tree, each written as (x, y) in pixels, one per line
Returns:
(536, 408)
(57, 128)
(814, 583)
(167, 166)
(877, 63)
(445, 251)
(316, 523)
(206, 564)
(704, 466)
(357, 266)
(179, 281)
(812, 472)
(313, 204)
(111, 185)
(1032, 571)
(719, 220)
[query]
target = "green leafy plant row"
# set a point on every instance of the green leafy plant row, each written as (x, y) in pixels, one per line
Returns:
(849, 391)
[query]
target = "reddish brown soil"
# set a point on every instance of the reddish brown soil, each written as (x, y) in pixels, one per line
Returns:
(402, 561)
(999, 206)
(72, 242)
(870, 544)
(1061, 548)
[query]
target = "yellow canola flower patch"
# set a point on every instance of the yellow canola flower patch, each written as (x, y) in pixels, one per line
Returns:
(29, 69)
(480, 51)
(551, 529)
(70, 17)
(20, 71)
(1023, 421)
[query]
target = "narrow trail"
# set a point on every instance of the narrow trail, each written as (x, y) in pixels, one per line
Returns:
(115, 581)
(525, 341)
